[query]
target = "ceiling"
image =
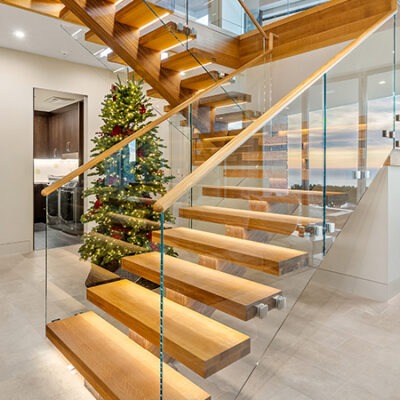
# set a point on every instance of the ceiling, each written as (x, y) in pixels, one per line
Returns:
(51, 100)
(48, 36)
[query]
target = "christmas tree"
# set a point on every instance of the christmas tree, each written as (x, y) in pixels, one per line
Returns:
(126, 183)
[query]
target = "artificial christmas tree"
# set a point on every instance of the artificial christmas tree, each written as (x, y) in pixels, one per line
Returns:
(126, 183)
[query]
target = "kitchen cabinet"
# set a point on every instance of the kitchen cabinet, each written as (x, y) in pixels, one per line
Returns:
(64, 128)
(58, 134)
(41, 135)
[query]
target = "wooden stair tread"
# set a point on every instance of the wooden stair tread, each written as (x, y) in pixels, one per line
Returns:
(264, 155)
(69, 16)
(264, 221)
(153, 93)
(226, 138)
(231, 294)
(202, 81)
(115, 58)
(232, 132)
(187, 60)
(138, 15)
(245, 156)
(257, 193)
(116, 366)
(237, 116)
(225, 99)
(264, 257)
(165, 37)
(255, 173)
(90, 36)
(202, 344)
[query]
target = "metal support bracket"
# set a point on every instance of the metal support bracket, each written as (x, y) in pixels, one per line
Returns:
(280, 302)
(262, 310)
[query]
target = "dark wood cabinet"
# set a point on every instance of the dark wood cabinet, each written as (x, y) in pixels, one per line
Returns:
(58, 134)
(41, 135)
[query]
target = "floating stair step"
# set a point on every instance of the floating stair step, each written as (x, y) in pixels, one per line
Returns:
(203, 81)
(263, 221)
(272, 140)
(225, 99)
(133, 222)
(153, 93)
(237, 116)
(115, 58)
(264, 257)
(138, 14)
(264, 155)
(228, 293)
(187, 60)
(247, 156)
(69, 16)
(225, 139)
(243, 163)
(116, 366)
(255, 173)
(90, 36)
(166, 37)
(201, 136)
(268, 194)
(202, 344)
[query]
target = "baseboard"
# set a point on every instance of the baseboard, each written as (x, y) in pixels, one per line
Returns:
(7, 249)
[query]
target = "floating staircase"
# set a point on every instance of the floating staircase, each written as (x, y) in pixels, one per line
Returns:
(116, 366)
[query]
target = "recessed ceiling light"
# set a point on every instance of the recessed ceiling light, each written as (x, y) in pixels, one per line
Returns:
(19, 34)
(382, 82)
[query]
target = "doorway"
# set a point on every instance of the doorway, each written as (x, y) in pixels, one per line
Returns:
(57, 150)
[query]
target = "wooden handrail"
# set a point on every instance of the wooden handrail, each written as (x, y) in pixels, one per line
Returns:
(118, 146)
(255, 22)
(189, 181)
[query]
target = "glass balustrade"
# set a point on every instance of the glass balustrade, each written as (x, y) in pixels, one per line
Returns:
(209, 285)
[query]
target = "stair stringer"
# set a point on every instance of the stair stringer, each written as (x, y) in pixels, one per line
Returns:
(364, 259)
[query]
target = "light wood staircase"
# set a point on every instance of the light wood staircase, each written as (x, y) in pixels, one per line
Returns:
(116, 366)
(197, 341)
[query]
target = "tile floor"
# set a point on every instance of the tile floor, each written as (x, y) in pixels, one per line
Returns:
(331, 346)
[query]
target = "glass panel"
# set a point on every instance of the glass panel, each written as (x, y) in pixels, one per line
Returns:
(226, 264)
(272, 10)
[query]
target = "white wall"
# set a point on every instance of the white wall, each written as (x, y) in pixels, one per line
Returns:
(20, 73)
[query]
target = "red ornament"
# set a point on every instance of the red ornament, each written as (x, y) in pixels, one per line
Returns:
(150, 236)
(97, 203)
(117, 232)
(117, 130)
(140, 153)
(142, 109)
(113, 88)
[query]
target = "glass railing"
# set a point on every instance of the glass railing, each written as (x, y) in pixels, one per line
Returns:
(275, 10)
(209, 285)
(263, 219)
